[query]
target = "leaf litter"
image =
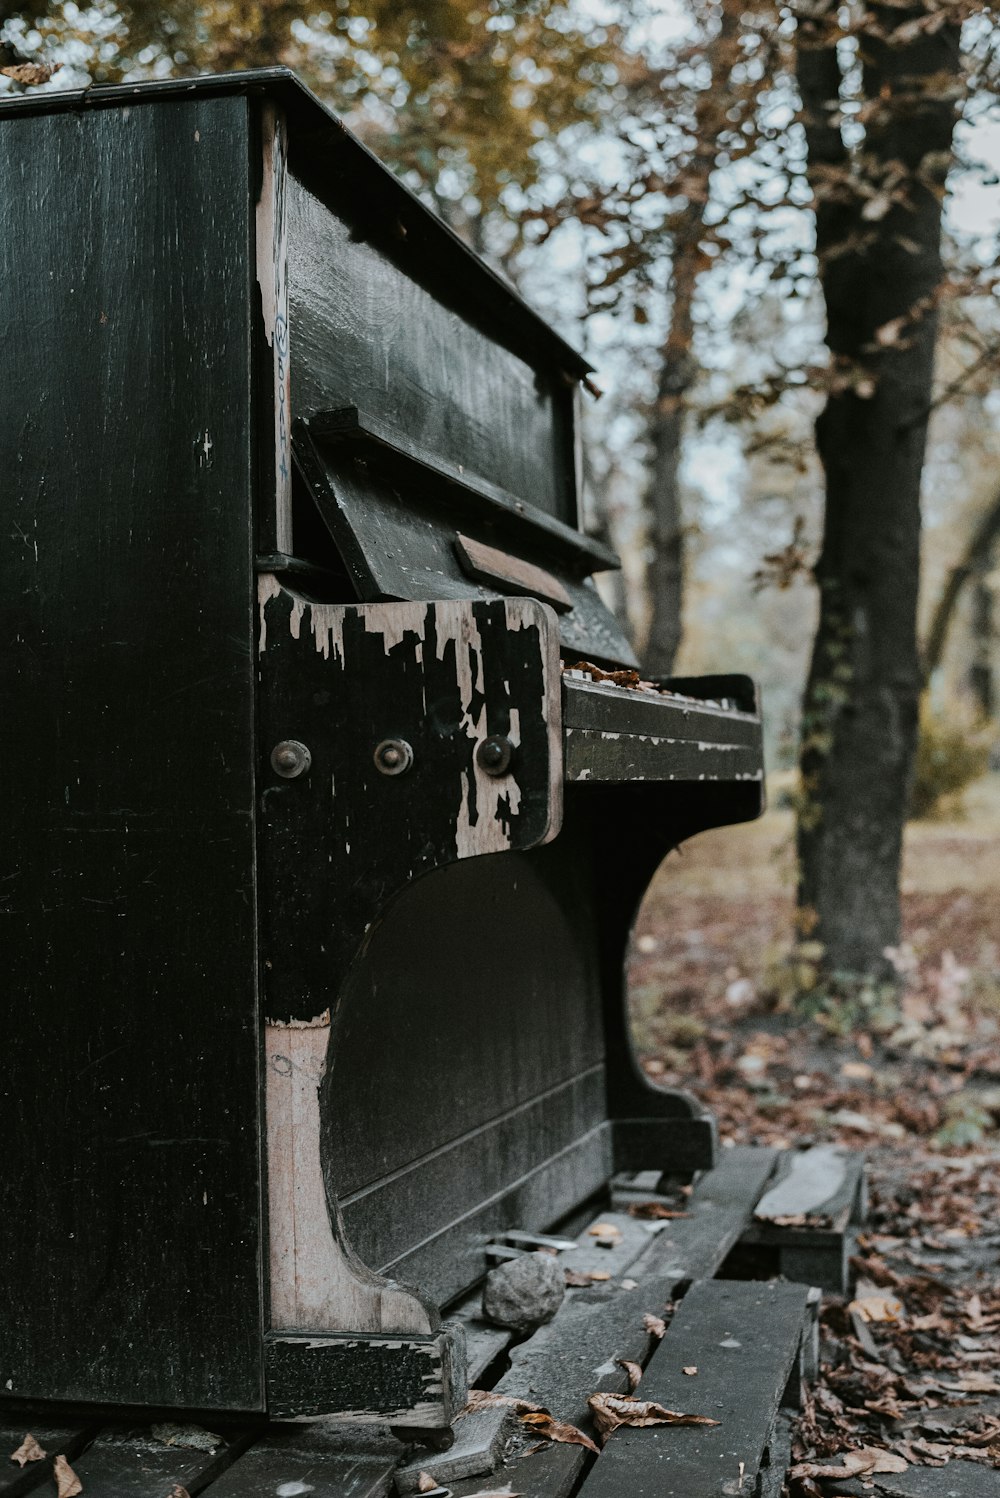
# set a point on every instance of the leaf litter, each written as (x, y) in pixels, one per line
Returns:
(613, 1410)
(28, 1451)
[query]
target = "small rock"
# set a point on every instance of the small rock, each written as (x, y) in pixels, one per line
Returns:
(525, 1292)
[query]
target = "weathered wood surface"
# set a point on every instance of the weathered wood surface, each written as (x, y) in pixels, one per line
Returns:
(613, 733)
(957, 1479)
(744, 1339)
(127, 847)
(395, 513)
(811, 1179)
(66, 1440)
(311, 1461)
(368, 333)
(820, 1193)
(575, 1354)
(125, 1462)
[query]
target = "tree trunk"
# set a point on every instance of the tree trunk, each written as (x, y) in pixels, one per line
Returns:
(679, 368)
(879, 252)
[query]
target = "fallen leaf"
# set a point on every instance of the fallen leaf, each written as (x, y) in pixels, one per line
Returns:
(655, 1210)
(605, 1230)
(877, 1308)
(612, 1410)
(67, 1482)
(556, 1430)
(655, 1325)
(633, 1370)
(426, 1483)
(852, 1464)
(178, 1492)
(484, 1399)
(690, 1371)
(973, 1383)
(29, 73)
(28, 1451)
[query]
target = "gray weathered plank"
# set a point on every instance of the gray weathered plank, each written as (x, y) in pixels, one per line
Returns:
(958, 1479)
(813, 1178)
(54, 1440)
(576, 1353)
(315, 1460)
(743, 1337)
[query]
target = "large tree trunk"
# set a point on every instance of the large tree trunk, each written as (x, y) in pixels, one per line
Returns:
(678, 367)
(879, 253)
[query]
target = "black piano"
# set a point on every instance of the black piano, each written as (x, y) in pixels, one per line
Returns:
(332, 785)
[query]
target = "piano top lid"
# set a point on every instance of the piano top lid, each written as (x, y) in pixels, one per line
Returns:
(317, 137)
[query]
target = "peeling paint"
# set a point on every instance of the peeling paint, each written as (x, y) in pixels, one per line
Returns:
(268, 587)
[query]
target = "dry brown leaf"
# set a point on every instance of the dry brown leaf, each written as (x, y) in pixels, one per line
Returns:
(852, 1464)
(178, 1492)
(556, 1430)
(28, 73)
(484, 1399)
(67, 1482)
(634, 1371)
(655, 1325)
(690, 1371)
(426, 1483)
(973, 1383)
(655, 1210)
(577, 1277)
(28, 1451)
(605, 1230)
(877, 1308)
(612, 1410)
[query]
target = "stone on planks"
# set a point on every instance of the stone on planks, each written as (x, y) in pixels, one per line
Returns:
(525, 1292)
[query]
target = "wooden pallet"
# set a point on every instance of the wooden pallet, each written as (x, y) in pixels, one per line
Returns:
(753, 1343)
(805, 1222)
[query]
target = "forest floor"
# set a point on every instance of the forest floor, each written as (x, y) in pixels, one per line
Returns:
(914, 1374)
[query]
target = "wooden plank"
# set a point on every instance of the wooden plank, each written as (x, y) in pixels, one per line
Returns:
(314, 1461)
(55, 1440)
(744, 1338)
(128, 842)
(812, 1179)
(957, 1479)
(575, 1354)
(130, 1462)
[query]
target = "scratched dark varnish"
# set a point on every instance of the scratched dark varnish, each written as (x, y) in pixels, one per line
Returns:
(130, 1124)
(281, 461)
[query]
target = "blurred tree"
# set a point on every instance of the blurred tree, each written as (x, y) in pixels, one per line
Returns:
(455, 94)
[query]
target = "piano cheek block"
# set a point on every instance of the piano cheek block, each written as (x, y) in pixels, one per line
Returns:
(342, 798)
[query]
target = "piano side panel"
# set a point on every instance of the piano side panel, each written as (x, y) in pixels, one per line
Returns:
(469, 1054)
(128, 1104)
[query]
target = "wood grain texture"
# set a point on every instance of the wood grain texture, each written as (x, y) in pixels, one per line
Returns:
(395, 512)
(744, 1340)
(129, 1099)
(369, 333)
(327, 1465)
(577, 1353)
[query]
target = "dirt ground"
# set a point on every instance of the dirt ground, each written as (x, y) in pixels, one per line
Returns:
(911, 1079)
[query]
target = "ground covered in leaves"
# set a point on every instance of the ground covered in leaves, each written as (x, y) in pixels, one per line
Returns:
(911, 1364)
